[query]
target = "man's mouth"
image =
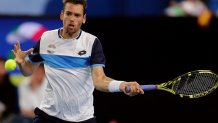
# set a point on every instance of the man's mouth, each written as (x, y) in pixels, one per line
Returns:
(71, 25)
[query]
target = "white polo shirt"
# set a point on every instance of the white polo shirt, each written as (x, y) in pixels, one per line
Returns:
(68, 62)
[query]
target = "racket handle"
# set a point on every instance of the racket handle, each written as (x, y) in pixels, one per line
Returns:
(144, 87)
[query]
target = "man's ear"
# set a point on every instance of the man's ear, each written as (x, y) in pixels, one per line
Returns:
(84, 19)
(62, 15)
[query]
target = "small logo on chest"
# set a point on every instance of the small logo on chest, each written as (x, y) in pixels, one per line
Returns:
(83, 52)
(51, 48)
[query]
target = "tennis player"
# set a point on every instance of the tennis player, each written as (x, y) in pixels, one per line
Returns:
(73, 60)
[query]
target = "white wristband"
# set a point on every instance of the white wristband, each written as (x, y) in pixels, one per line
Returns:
(114, 86)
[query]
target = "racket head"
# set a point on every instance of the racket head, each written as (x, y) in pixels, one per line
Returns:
(193, 84)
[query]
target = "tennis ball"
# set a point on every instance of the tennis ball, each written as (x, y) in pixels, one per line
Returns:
(10, 65)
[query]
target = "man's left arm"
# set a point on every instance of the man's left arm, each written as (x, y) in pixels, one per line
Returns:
(106, 84)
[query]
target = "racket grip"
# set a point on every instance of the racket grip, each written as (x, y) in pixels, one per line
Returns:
(144, 87)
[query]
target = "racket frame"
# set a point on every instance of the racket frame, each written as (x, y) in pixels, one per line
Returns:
(163, 86)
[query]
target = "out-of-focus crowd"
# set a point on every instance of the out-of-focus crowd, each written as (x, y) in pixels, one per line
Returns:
(203, 10)
(17, 103)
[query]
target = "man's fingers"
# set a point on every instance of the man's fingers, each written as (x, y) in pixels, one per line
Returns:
(18, 44)
(136, 88)
(15, 47)
(29, 51)
(13, 52)
(141, 91)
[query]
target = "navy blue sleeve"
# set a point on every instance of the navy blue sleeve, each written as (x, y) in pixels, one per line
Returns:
(97, 56)
(35, 56)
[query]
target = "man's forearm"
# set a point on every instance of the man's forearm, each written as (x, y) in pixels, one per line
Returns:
(27, 68)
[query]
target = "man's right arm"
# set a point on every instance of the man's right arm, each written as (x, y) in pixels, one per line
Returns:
(27, 68)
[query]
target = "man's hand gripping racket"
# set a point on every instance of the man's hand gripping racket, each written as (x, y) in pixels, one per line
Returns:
(192, 84)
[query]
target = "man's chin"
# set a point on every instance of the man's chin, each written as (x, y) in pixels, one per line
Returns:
(70, 32)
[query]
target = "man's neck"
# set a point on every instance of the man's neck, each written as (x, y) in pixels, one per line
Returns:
(66, 35)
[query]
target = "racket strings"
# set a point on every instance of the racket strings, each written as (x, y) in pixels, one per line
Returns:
(195, 84)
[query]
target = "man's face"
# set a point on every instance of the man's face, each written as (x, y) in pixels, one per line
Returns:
(73, 18)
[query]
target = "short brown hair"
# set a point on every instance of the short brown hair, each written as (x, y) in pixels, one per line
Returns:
(82, 2)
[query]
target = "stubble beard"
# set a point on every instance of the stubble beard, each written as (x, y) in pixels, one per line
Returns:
(70, 32)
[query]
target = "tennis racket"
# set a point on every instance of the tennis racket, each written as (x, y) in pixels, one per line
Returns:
(192, 84)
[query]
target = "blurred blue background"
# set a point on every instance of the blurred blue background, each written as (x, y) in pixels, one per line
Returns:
(14, 13)
(12, 25)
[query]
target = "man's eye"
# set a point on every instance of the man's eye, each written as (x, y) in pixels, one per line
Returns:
(68, 14)
(77, 15)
